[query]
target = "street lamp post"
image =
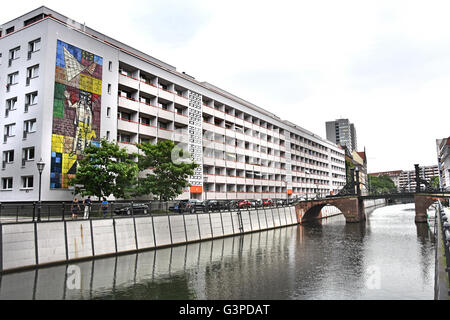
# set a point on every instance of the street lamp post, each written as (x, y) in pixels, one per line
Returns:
(40, 167)
(205, 180)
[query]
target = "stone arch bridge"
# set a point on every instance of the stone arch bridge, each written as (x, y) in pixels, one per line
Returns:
(352, 206)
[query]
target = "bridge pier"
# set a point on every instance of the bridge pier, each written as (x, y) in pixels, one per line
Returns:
(422, 202)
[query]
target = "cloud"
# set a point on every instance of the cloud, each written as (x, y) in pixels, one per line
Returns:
(172, 23)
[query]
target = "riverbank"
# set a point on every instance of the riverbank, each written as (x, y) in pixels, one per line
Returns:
(32, 244)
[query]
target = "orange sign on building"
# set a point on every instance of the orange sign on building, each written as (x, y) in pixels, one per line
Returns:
(196, 189)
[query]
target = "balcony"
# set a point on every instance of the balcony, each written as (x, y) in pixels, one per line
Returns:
(166, 114)
(128, 81)
(165, 134)
(209, 126)
(129, 146)
(181, 119)
(208, 161)
(167, 95)
(181, 100)
(231, 180)
(148, 88)
(148, 109)
(128, 103)
(127, 125)
(148, 130)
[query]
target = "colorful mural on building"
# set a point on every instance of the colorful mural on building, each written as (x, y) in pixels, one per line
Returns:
(76, 109)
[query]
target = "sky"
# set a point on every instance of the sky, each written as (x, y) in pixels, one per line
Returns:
(384, 65)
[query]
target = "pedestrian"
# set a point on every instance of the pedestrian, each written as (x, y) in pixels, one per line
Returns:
(87, 207)
(104, 206)
(75, 208)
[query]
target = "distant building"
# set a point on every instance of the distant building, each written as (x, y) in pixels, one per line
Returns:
(394, 175)
(406, 180)
(342, 132)
(360, 162)
(443, 153)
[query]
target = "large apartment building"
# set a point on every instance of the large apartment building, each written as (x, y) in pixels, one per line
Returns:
(64, 85)
(405, 181)
(342, 132)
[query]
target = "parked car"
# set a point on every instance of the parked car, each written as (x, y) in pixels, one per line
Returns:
(191, 206)
(138, 208)
(267, 202)
(231, 204)
(214, 205)
(258, 203)
(243, 204)
(280, 202)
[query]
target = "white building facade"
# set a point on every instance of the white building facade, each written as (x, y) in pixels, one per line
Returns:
(64, 85)
(443, 153)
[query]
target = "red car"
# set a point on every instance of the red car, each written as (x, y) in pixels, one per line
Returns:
(267, 202)
(244, 204)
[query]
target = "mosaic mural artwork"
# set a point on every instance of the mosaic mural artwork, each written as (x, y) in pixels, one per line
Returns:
(76, 110)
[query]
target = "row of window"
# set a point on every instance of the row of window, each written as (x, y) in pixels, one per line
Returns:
(217, 120)
(27, 182)
(8, 156)
(14, 54)
(13, 78)
(29, 126)
(30, 100)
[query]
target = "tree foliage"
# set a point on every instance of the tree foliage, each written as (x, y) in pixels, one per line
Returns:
(434, 182)
(169, 168)
(382, 184)
(105, 170)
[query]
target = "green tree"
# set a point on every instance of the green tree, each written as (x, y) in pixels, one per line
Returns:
(382, 184)
(170, 168)
(434, 182)
(104, 170)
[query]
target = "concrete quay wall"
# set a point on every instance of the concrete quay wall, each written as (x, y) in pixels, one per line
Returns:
(32, 244)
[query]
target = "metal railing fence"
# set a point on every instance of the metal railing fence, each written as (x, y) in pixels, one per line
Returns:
(60, 211)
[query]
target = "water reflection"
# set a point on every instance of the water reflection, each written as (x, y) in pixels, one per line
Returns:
(387, 257)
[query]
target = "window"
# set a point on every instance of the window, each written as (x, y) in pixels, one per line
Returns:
(27, 182)
(8, 156)
(29, 126)
(13, 78)
(124, 138)
(10, 130)
(34, 19)
(124, 116)
(110, 66)
(107, 135)
(32, 72)
(34, 46)
(30, 99)
(10, 105)
(7, 183)
(109, 88)
(13, 55)
(108, 111)
(162, 105)
(28, 154)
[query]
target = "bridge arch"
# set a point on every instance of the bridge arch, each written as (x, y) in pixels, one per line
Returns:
(352, 207)
(315, 212)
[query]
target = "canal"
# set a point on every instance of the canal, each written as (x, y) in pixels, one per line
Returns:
(387, 257)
